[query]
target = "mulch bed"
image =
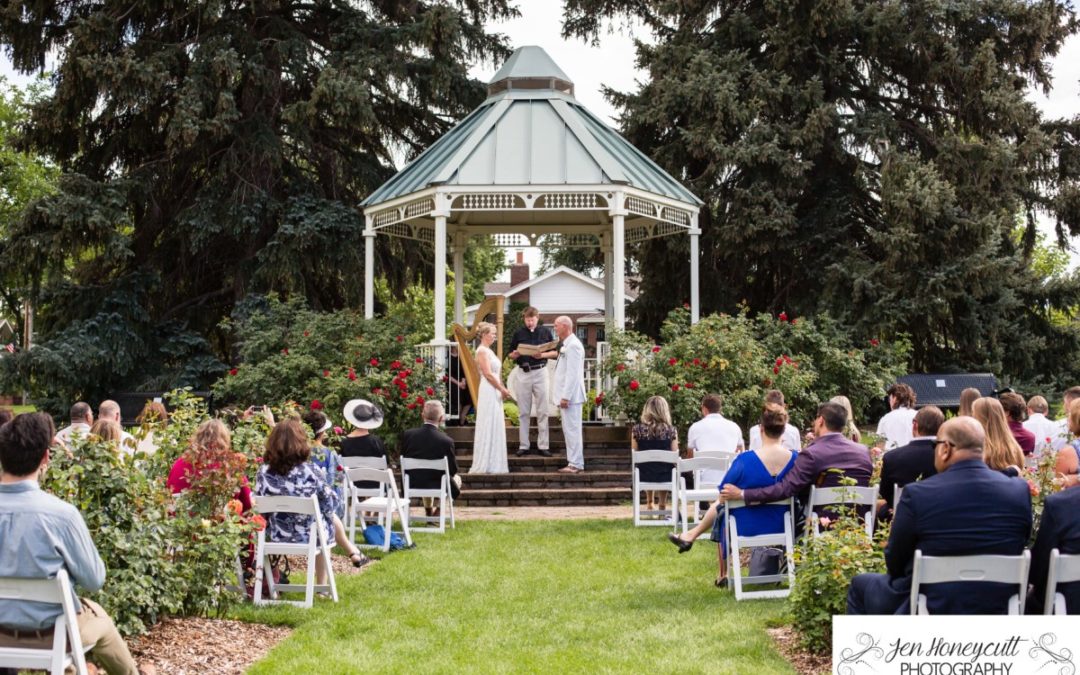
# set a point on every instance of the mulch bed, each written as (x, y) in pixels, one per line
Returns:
(804, 662)
(194, 645)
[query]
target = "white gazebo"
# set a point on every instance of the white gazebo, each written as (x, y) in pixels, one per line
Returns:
(531, 162)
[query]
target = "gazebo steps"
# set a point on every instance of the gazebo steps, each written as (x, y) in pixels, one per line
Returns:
(593, 496)
(595, 460)
(548, 480)
(593, 434)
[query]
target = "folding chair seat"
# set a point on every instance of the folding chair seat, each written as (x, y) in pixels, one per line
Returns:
(316, 547)
(385, 504)
(639, 457)
(1064, 569)
(702, 464)
(67, 649)
(1006, 569)
(348, 490)
(442, 493)
(736, 543)
(846, 496)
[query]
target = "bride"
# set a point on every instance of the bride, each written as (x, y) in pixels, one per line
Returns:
(489, 440)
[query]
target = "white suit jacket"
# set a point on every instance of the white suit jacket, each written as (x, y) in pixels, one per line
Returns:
(570, 372)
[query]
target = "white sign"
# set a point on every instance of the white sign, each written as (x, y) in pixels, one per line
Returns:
(940, 383)
(956, 645)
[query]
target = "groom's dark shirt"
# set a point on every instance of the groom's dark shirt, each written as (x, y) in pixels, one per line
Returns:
(523, 336)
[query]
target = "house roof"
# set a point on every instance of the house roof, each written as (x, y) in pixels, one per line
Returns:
(531, 131)
(510, 291)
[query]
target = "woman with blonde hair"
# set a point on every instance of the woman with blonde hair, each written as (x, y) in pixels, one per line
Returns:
(107, 430)
(967, 400)
(210, 439)
(851, 431)
(154, 417)
(655, 432)
(1001, 452)
(489, 441)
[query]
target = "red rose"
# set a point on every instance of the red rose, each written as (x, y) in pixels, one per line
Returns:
(674, 387)
(874, 342)
(634, 385)
(689, 385)
(285, 351)
(656, 348)
(787, 359)
(307, 333)
(419, 359)
(408, 372)
(779, 360)
(411, 406)
(445, 378)
(403, 373)
(783, 316)
(776, 370)
(672, 361)
(352, 374)
(374, 362)
(696, 362)
(399, 338)
(686, 305)
(419, 400)
(430, 391)
(404, 394)
(316, 404)
(600, 399)
(395, 365)
(233, 371)
(396, 382)
(326, 373)
(258, 460)
(620, 367)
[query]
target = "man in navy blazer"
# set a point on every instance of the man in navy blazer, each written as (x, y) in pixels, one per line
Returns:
(1059, 528)
(966, 509)
(911, 462)
(822, 463)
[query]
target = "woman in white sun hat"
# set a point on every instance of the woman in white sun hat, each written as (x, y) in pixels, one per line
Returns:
(364, 416)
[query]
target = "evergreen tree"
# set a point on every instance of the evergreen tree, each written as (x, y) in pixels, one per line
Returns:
(869, 159)
(215, 149)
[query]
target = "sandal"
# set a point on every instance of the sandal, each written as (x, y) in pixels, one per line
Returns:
(359, 559)
(721, 582)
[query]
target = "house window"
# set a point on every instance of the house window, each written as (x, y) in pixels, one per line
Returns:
(600, 334)
(583, 333)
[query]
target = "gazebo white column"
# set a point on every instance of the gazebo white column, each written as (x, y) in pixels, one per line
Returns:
(369, 270)
(618, 254)
(605, 248)
(460, 240)
(440, 276)
(695, 255)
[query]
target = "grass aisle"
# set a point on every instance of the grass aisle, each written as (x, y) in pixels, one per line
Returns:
(555, 596)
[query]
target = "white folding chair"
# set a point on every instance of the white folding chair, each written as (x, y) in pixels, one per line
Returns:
(67, 649)
(316, 547)
(1006, 569)
(897, 491)
(348, 491)
(672, 486)
(700, 465)
(786, 539)
(441, 493)
(1064, 569)
(847, 496)
(385, 503)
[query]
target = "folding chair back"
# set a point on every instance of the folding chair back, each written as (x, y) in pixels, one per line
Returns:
(385, 505)
(1006, 569)
(1064, 569)
(441, 493)
(56, 659)
(699, 466)
(736, 543)
(848, 496)
(669, 485)
(315, 548)
(349, 491)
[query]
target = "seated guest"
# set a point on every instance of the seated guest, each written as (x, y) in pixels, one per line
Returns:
(967, 401)
(895, 426)
(286, 472)
(153, 418)
(758, 468)
(851, 431)
(1001, 451)
(81, 418)
(41, 536)
(791, 439)
(1059, 528)
(714, 433)
(966, 509)
(655, 432)
(365, 417)
(5, 416)
(1061, 436)
(911, 462)
(1015, 414)
(429, 442)
(110, 411)
(108, 431)
(211, 438)
(1068, 458)
(1038, 423)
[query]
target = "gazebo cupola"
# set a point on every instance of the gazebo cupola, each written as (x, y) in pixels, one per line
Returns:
(531, 162)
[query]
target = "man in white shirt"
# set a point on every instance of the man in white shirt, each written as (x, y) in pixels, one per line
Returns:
(110, 411)
(895, 426)
(790, 440)
(82, 417)
(713, 433)
(1039, 424)
(1060, 436)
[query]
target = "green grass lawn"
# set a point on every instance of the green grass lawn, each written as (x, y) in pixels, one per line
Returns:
(553, 596)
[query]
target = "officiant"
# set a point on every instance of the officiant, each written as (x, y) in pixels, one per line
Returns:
(530, 382)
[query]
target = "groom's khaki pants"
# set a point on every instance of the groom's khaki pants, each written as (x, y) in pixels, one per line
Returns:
(531, 392)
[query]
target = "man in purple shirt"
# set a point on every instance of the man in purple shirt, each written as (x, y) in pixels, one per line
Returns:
(822, 463)
(1016, 412)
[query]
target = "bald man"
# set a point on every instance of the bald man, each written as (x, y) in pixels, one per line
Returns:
(966, 509)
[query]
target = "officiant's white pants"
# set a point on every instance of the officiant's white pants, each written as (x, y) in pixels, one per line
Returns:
(571, 427)
(531, 392)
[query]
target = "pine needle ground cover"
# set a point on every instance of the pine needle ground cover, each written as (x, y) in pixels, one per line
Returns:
(531, 596)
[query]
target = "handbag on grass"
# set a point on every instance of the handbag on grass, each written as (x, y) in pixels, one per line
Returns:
(375, 536)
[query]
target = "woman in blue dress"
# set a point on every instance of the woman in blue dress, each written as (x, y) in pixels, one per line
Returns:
(759, 468)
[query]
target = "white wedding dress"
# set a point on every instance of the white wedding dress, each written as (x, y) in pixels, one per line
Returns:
(489, 437)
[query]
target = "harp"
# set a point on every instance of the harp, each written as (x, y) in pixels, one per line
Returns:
(463, 337)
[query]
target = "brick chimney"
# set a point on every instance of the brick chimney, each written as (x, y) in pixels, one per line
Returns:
(519, 271)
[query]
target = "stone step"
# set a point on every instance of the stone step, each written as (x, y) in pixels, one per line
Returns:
(590, 435)
(537, 463)
(535, 497)
(549, 480)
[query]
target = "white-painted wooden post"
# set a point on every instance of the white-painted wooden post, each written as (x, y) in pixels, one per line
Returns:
(369, 270)
(618, 254)
(695, 260)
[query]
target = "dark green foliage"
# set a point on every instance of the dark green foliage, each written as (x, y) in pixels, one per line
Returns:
(879, 161)
(212, 150)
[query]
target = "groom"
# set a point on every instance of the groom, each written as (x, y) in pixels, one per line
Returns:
(569, 391)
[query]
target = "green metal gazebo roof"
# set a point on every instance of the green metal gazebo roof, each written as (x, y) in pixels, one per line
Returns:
(531, 131)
